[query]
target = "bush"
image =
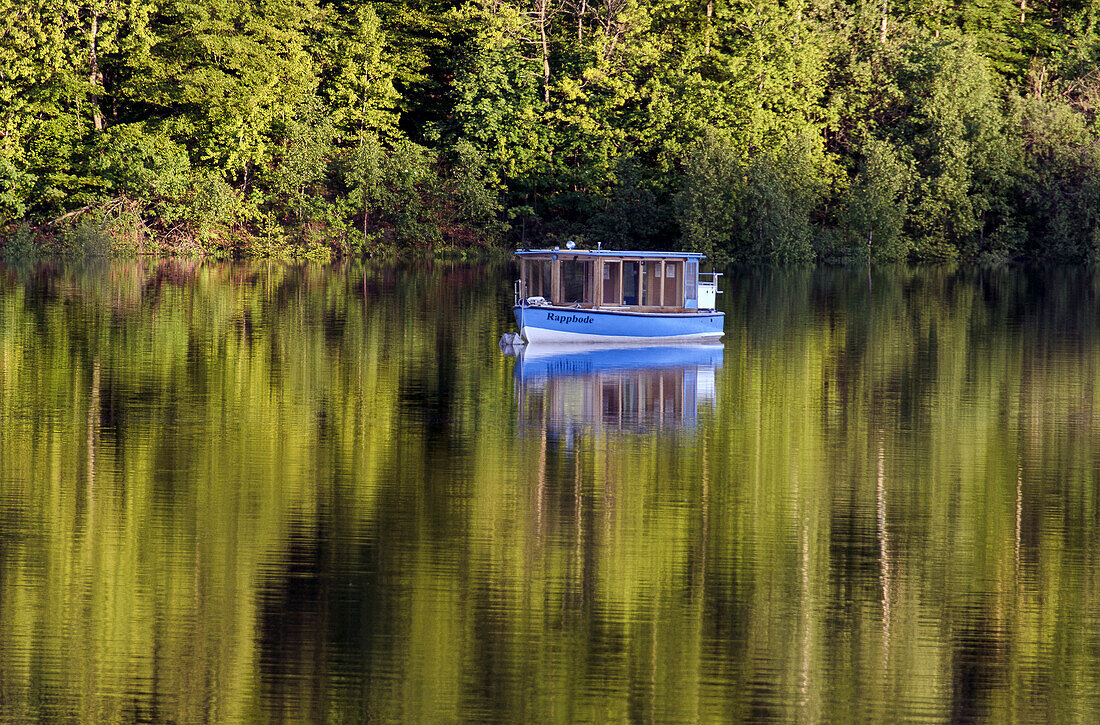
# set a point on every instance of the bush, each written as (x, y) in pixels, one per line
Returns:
(140, 162)
(22, 244)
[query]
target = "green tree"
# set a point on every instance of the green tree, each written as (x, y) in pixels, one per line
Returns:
(305, 154)
(408, 199)
(356, 71)
(706, 201)
(471, 186)
(228, 72)
(498, 105)
(139, 162)
(877, 203)
(774, 197)
(1058, 191)
(364, 177)
(637, 211)
(955, 129)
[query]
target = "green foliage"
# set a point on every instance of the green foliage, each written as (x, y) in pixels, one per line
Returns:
(140, 163)
(774, 198)
(636, 213)
(89, 236)
(955, 129)
(212, 202)
(232, 72)
(707, 202)
(409, 191)
(755, 210)
(355, 71)
(426, 123)
(472, 189)
(1058, 191)
(22, 243)
(498, 107)
(364, 175)
(303, 162)
(14, 191)
(877, 203)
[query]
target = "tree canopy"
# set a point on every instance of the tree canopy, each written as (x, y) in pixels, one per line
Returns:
(757, 130)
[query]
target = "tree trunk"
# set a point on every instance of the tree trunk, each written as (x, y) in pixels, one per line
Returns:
(543, 20)
(94, 76)
(882, 35)
(710, 14)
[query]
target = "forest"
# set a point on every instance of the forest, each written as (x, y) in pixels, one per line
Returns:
(771, 131)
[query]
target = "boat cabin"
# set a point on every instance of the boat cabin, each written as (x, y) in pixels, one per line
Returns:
(610, 280)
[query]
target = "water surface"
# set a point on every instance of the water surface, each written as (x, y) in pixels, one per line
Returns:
(239, 492)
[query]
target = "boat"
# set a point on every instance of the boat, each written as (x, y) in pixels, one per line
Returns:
(598, 295)
(575, 388)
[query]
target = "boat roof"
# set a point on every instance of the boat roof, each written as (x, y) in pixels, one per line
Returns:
(608, 253)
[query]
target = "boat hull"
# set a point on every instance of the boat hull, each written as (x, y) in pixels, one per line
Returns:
(575, 325)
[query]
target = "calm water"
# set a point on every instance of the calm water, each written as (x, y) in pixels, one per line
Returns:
(240, 492)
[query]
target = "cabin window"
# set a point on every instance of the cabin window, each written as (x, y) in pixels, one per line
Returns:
(575, 281)
(612, 295)
(539, 273)
(630, 282)
(674, 274)
(691, 279)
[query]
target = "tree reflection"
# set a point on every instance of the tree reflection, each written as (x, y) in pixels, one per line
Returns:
(254, 491)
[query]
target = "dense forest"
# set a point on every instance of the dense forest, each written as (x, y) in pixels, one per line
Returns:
(755, 130)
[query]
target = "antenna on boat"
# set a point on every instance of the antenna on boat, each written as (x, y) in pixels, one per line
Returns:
(599, 246)
(570, 244)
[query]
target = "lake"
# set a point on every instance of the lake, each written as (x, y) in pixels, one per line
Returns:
(260, 491)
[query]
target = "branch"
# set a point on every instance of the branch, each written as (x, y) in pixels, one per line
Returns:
(72, 213)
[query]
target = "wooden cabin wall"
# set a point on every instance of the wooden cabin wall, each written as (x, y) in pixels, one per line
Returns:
(673, 284)
(611, 275)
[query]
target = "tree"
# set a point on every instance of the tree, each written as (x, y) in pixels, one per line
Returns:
(228, 72)
(498, 107)
(955, 129)
(877, 203)
(364, 176)
(636, 212)
(472, 188)
(303, 162)
(1058, 190)
(775, 196)
(356, 71)
(706, 202)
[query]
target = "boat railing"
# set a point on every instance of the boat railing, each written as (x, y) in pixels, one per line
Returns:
(713, 282)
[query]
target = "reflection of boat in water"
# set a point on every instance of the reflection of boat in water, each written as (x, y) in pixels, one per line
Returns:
(567, 387)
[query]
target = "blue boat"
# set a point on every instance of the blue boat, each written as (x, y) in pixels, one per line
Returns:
(595, 295)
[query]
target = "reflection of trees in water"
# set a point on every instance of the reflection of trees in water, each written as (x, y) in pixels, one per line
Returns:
(310, 501)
